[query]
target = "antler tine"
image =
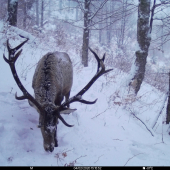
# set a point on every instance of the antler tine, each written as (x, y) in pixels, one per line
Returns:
(97, 58)
(20, 45)
(103, 57)
(12, 51)
(11, 61)
(64, 122)
(76, 98)
(100, 71)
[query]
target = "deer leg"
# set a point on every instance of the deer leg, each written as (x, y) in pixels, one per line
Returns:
(67, 97)
(55, 138)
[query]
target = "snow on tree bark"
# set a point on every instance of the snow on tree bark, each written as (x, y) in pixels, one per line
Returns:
(168, 105)
(143, 38)
(12, 12)
(42, 13)
(37, 13)
(86, 33)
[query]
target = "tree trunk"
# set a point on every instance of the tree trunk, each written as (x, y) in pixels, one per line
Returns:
(86, 33)
(12, 12)
(168, 105)
(25, 14)
(77, 13)
(108, 33)
(60, 6)
(123, 22)
(143, 38)
(121, 32)
(100, 33)
(37, 13)
(49, 10)
(42, 13)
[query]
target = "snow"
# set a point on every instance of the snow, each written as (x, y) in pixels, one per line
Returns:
(51, 128)
(104, 134)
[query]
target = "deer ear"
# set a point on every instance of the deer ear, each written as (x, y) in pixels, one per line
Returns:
(67, 111)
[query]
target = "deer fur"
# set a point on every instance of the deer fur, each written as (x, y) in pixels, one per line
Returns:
(52, 81)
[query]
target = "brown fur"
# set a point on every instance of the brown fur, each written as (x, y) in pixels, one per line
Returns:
(52, 81)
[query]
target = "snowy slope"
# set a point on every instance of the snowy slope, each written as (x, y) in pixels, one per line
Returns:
(104, 134)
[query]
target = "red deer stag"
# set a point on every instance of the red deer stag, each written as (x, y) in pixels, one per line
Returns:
(51, 82)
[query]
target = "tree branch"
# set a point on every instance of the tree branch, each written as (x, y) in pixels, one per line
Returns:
(132, 157)
(142, 122)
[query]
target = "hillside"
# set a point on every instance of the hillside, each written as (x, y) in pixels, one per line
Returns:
(104, 134)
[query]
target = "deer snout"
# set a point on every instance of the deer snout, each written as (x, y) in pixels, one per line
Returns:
(49, 147)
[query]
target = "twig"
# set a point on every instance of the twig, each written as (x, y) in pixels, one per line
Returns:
(101, 113)
(123, 127)
(73, 162)
(162, 134)
(142, 122)
(158, 143)
(79, 158)
(98, 158)
(118, 139)
(163, 105)
(63, 153)
(58, 157)
(131, 158)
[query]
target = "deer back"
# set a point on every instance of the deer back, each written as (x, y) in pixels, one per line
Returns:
(53, 78)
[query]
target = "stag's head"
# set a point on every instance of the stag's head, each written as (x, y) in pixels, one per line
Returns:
(47, 123)
(48, 120)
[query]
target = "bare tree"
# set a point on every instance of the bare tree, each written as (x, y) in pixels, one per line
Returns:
(60, 6)
(98, 16)
(121, 34)
(88, 16)
(143, 38)
(168, 105)
(144, 30)
(25, 14)
(42, 13)
(86, 33)
(12, 12)
(37, 12)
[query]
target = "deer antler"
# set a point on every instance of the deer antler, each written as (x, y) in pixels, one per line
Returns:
(12, 58)
(100, 71)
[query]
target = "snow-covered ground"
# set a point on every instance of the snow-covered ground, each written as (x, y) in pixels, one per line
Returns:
(104, 134)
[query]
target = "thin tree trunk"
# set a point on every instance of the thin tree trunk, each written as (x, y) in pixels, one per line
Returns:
(37, 13)
(108, 33)
(168, 105)
(25, 14)
(60, 6)
(143, 38)
(12, 12)
(86, 34)
(49, 10)
(42, 13)
(100, 33)
(123, 24)
(68, 5)
(77, 13)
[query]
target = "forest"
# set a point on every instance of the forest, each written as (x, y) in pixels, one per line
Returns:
(127, 42)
